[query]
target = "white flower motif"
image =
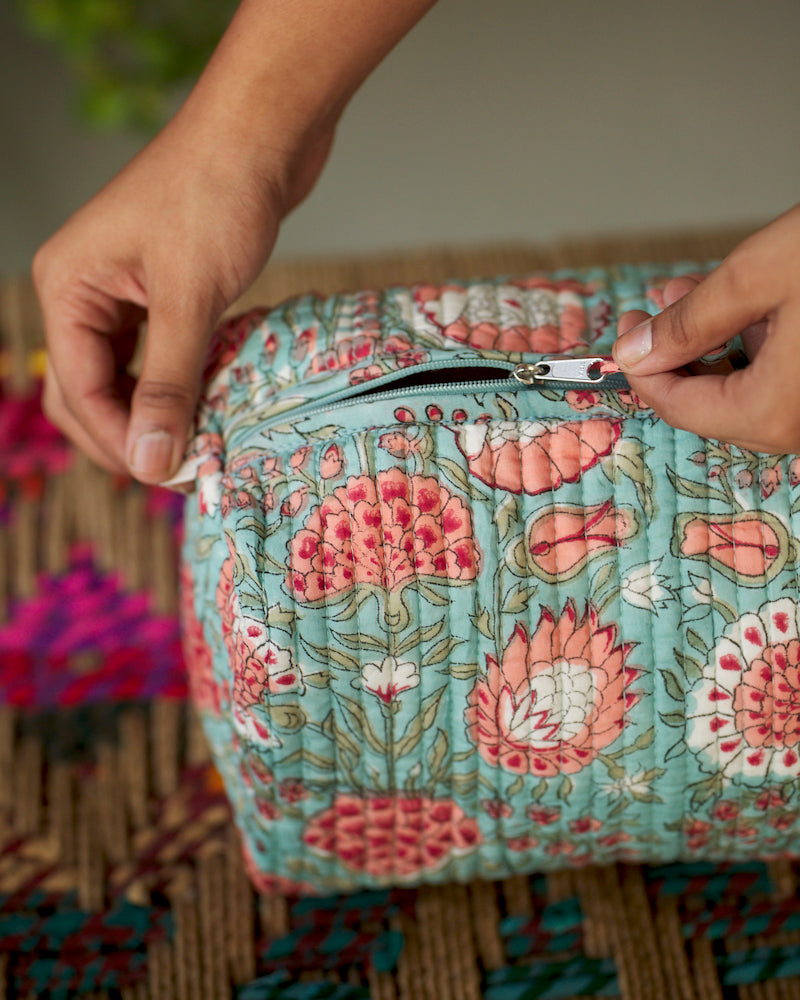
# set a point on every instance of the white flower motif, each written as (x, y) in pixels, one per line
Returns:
(386, 680)
(743, 712)
(628, 784)
(554, 710)
(643, 587)
(476, 437)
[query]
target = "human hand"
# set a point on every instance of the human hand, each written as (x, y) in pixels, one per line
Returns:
(185, 228)
(177, 236)
(754, 291)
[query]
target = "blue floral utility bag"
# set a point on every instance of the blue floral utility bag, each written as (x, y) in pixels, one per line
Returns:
(457, 604)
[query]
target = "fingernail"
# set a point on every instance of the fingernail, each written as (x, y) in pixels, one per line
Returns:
(151, 456)
(634, 345)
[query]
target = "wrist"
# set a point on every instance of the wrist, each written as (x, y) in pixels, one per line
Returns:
(282, 75)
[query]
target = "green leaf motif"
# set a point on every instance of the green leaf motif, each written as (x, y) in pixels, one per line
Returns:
(331, 654)
(630, 461)
(697, 642)
(705, 790)
(359, 724)
(455, 474)
(441, 651)
(464, 784)
(540, 791)
(322, 433)
(506, 517)
(288, 717)
(424, 634)
(515, 787)
(517, 601)
(437, 755)
(692, 668)
(483, 623)
(321, 679)
(308, 757)
(517, 559)
(565, 788)
(462, 671)
(361, 640)
(279, 616)
(672, 685)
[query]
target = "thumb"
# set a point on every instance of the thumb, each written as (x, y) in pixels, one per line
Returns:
(699, 323)
(164, 401)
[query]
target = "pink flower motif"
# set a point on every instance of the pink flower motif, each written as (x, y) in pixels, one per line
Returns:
(725, 810)
(365, 374)
(295, 502)
(228, 340)
(256, 771)
(207, 695)
(582, 399)
(267, 809)
(769, 799)
(304, 343)
(743, 712)
(392, 836)
(613, 839)
(331, 463)
(524, 843)
(258, 664)
(769, 480)
(749, 544)
(292, 790)
(783, 821)
(585, 824)
(497, 808)
(557, 700)
(347, 353)
(385, 532)
(396, 443)
(557, 847)
(697, 833)
(300, 458)
(533, 456)
(408, 359)
(542, 816)
(631, 400)
(564, 537)
(794, 472)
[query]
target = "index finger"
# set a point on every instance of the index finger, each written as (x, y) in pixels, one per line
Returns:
(750, 407)
(85, 366)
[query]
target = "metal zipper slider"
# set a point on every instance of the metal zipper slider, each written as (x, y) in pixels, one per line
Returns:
(590, 370)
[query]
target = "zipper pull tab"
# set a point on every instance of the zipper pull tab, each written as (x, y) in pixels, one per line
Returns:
(592, 371)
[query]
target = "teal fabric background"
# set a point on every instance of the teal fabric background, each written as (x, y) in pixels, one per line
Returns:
(454, 630)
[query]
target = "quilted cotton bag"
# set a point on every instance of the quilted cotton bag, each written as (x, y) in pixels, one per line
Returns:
(458, 605)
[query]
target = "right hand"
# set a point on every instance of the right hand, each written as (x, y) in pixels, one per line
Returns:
(755, 292)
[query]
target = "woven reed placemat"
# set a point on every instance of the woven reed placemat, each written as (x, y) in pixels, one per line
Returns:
(120, 874)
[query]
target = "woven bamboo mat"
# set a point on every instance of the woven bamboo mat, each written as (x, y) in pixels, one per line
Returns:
(120, 874)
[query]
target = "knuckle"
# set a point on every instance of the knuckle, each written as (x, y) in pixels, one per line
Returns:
(677, 329)
(736, 273)
(164, 395)
(40, 266)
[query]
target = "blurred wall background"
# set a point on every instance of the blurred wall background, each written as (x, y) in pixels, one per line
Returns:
(495, 120)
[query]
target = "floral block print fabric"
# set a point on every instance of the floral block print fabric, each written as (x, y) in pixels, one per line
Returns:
(442, 626)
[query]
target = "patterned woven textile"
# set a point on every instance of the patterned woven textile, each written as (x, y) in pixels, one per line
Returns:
(120, 869)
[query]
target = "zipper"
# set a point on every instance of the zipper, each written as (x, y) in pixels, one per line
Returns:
(547, 373)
